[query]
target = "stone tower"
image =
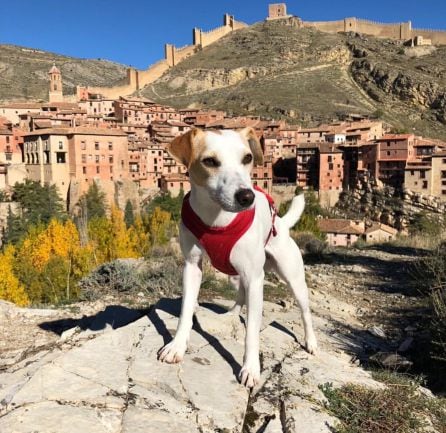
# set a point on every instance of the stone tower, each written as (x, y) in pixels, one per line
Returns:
(55, 92)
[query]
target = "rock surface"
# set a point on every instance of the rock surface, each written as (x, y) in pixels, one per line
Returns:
(110, 380)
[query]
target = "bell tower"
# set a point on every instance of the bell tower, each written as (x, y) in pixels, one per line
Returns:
(55, 92)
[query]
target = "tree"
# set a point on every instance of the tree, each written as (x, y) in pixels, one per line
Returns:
(111, 238)
(52, 260)
(37, 205)
(167, 203)
(308, 222)
(129, 216)
(93, 203)
(10, 287)
(160, 226)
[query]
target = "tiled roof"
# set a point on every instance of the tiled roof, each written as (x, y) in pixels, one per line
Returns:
(81, 130)
(379, 226)
(339, 226)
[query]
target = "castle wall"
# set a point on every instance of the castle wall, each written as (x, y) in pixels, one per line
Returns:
(438, 37)
(403, 31)
(152, 73)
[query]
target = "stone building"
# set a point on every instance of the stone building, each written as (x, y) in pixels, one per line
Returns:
(55, 93)
(59, 155)
(331, 174)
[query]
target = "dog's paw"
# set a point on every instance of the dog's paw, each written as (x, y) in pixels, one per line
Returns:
(249, 375)
(172, 353)
(311, 344)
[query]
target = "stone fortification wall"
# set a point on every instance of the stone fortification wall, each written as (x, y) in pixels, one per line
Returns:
(403, 31)
(137, 79)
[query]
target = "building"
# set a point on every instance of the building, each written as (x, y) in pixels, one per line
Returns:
(12, 169)
(378, 232)
(61, 155)
(393, 152)
(55, 93)
(331, 174)
(340, 232)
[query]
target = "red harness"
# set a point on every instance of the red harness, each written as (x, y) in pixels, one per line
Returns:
(219, 241)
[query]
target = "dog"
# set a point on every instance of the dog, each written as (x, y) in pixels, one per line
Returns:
(222, 197)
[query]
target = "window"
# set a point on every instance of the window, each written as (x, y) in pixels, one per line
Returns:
(84, 158)
(97, 169)
(330, 166)
(412, 172)
(84, 170)
(110, 145)
(96, 145)
(110, 159)
(443, 192)
(60, 145)
(424, 184)
(443, 174)
(60, 157)
(83, 145)
(388, 153)
(422, 174)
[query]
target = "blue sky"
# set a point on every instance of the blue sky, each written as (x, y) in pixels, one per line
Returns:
(133, 32)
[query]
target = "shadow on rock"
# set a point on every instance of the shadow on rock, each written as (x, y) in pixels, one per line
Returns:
(114, 316)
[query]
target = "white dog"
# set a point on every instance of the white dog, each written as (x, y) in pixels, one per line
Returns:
(221, 199)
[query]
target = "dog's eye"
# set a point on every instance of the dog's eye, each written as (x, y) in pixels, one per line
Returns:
(247, 159)
(211, 162)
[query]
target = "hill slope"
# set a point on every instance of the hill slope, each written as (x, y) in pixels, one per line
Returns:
(24, 72)
(278, 70)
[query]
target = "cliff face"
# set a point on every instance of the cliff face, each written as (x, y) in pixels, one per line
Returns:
(386, 205)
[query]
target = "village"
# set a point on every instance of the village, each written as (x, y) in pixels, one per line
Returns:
(123, 141)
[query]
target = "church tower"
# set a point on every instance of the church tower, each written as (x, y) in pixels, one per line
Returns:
(55, 92)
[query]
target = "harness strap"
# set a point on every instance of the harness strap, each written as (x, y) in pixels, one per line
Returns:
(273, 210)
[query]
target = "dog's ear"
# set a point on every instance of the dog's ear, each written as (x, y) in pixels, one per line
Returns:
(182, 147)
(254, 144)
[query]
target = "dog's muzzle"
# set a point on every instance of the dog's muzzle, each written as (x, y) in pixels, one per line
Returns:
(244, 197)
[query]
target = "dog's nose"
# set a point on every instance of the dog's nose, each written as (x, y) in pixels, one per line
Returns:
(244, 197)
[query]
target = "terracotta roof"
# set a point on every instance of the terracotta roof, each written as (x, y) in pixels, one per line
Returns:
(80, 130)
(339, 226)
(379, 226)
(388, 137)
(328, 148)
(54, 70)
(22, 105)
(438, 154)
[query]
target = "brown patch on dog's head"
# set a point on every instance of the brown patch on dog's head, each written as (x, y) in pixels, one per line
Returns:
(185, 146)
(254, 144)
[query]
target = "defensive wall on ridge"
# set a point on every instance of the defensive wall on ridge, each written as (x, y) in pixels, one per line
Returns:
(403, 31)
(137, 79)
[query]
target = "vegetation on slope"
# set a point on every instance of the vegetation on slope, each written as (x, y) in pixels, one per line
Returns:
(24, 73)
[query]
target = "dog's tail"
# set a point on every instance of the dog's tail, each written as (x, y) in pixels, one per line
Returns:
(295, 211)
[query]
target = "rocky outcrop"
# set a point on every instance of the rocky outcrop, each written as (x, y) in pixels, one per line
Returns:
(387, 205)
(107, 378)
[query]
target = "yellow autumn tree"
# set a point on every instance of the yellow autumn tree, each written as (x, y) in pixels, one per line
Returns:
(141, 238)
(160, 225)
(112, 239)
(10, 287)
(52, 260)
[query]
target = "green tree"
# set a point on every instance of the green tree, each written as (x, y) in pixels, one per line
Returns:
(93, 203)
(37, 205)
(129, 216)
(308, 222)
(167, 203)
(15, 228)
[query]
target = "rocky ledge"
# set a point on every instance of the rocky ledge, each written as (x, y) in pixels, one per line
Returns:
(106, 378)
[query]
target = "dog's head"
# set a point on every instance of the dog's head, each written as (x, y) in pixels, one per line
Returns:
(221, 163)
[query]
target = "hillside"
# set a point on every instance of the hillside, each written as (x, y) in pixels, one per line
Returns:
(24, 73)
(276, 69)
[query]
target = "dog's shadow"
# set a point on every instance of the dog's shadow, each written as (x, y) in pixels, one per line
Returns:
(117, 316)
(173, 307)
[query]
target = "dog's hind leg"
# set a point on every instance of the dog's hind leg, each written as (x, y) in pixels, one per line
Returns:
(290, 268)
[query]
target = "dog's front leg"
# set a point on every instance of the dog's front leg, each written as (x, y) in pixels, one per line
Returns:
(250, 372)
(174, 351)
